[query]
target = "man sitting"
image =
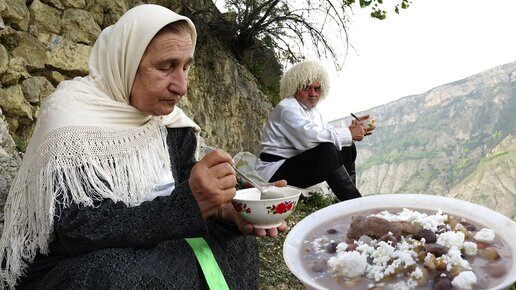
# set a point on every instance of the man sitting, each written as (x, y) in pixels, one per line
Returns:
(298, 145)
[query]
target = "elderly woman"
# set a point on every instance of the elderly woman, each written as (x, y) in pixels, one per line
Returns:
(299, 146)
(109, 194)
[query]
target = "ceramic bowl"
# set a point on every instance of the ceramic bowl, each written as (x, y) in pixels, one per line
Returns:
(503, 226)
(369, 123)
(266, 213)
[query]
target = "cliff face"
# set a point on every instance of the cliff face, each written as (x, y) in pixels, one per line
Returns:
(43, 42)
(456, 140)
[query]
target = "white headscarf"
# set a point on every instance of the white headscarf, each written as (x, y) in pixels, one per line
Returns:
(89, 143)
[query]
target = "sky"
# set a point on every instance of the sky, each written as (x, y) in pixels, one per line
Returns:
(432, 43)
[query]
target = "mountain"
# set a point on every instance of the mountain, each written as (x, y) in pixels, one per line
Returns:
(455, 140)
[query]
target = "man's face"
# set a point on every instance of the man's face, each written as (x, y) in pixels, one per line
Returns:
(309, 95)
(162, 76)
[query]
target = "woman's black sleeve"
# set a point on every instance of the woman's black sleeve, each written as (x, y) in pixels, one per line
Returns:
(80, 229)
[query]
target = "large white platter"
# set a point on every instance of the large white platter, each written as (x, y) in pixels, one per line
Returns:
(503, 226)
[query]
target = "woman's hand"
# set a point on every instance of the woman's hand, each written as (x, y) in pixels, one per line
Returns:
(228, 213)
(212, 182)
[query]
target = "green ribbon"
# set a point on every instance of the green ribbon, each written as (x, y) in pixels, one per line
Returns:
(209, 265)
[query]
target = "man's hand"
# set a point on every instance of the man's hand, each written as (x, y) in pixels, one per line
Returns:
(212, 182)
(358, 132)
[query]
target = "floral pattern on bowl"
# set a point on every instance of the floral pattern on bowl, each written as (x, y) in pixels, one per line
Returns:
(269, 212)
(281, 207)
(241, 207)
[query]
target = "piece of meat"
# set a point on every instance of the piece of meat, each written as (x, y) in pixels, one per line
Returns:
(373, 227)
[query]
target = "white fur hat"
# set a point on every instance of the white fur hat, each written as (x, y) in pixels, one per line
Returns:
(303, 74)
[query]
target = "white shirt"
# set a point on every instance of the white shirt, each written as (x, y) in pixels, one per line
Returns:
(293, 129)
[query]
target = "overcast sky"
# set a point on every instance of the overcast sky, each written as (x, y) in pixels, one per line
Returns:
(432, 43)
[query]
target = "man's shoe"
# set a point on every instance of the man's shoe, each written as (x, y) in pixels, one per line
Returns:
(341, 184)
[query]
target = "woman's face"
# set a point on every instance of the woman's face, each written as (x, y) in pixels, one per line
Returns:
(162, 76)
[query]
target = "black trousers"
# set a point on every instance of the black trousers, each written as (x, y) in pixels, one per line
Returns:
(313, 165)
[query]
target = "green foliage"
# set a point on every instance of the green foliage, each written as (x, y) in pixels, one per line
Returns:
(377, 7)
(493, 156)
(496, 135)
(463, 163)
(21, 143)
(261, 61)
(395, 156)
(274, 99)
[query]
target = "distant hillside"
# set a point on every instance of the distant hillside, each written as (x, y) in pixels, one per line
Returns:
(458, 140)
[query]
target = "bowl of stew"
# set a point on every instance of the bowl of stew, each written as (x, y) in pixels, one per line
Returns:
(403, 241)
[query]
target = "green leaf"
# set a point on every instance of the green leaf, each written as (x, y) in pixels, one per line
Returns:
(365, 3)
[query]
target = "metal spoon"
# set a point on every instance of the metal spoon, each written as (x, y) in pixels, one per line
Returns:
(265, 194)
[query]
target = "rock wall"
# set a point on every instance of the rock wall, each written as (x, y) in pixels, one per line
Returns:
(43, 42)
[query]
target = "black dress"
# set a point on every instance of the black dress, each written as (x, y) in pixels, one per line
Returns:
(113, 246)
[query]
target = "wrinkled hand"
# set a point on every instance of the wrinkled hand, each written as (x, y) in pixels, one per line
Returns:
(212, 182)
(229, 213)
(369, 130)
(358, 132)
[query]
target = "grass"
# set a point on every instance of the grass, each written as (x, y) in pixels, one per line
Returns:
(274, 273)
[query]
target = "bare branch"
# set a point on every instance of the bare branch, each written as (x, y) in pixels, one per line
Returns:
(318, 25)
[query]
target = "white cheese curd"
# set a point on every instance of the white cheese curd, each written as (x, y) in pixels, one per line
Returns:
(383, 258)
(424, 220)
(382, 254)
(374, 272)
(464, 281)
(364, 248)
(320, 244)
(405, 257)
(454, 257)
(348, 264)
(451, 239)
(470, 248)
(417, 273)
(342, 247)
(485, 235)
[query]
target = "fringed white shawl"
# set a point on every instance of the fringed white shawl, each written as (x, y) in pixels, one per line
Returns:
(89, 143)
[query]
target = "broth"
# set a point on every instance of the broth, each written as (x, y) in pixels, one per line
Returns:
(320, 245)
